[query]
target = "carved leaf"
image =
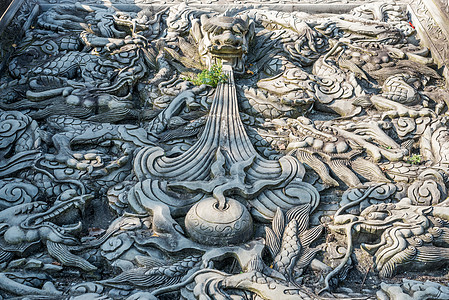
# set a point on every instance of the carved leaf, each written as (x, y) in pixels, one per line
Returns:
(149, 262)
(317, 165)
(309, 236)
(273, 242)
(301, 215)
(63, 255)
(306, 258)
(369, 170)
(278, 223)
(344, 173)
(138, 278)
(179, 133)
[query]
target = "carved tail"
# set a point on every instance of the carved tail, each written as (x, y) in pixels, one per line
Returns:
(63, 255)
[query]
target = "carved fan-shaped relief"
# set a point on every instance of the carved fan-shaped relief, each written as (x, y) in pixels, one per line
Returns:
(156, 151)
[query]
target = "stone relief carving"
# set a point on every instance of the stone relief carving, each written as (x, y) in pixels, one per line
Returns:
(430, 18)
(219, 2)
(413, 290)
(324, 148)
(14, 22)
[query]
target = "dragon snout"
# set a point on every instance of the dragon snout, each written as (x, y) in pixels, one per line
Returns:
(67, 208)
(228, 39)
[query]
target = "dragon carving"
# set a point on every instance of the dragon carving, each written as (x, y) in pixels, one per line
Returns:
(325, 132)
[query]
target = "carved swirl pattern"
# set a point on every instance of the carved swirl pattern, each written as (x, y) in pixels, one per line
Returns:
(15, 191)
(162, 149)
(427, 192)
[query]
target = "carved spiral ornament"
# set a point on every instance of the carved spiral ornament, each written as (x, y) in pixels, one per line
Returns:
(427, 192)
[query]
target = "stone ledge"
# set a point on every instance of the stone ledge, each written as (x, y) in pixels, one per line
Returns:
(221, 7)
(205, 2)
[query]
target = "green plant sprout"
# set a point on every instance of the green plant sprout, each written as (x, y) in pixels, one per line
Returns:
(210, 77)
(414, 159)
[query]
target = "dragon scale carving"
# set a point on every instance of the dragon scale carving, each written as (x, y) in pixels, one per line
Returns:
(183, 151)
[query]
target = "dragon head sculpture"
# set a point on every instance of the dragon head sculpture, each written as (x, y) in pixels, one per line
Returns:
(223, 38)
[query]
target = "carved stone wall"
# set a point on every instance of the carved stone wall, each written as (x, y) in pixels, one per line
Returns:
(218, 150)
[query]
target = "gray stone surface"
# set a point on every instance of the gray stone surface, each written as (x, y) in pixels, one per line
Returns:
(217, 150)
(4, 5)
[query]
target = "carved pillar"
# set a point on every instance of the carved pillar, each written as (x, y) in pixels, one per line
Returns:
(431, 20)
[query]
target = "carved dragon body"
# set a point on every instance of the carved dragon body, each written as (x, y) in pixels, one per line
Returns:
(194, 175)
(410, 236)
(26, 225)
